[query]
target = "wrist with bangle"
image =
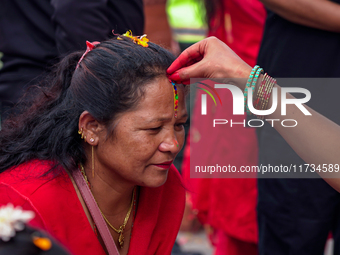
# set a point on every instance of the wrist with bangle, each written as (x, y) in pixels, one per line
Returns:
(263, 86)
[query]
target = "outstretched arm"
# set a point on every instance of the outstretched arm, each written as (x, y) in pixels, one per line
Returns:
(315, 139)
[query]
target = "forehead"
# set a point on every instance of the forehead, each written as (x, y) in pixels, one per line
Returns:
(157, 101)
(158, 98)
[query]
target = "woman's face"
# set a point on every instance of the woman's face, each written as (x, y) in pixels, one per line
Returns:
(146, 140)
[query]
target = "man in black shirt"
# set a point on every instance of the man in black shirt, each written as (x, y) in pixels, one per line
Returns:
(301, 39)
(34, 34)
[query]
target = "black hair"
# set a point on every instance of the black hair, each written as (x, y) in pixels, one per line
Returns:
(109, 80)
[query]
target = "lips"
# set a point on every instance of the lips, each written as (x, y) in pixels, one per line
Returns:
(164, 165)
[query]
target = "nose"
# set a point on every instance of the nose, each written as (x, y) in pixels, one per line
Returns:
(170, 144)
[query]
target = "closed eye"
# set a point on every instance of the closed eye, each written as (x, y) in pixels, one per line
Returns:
(155, 128)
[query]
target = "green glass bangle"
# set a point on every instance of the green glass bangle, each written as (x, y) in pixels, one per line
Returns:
(259, 71)
(250, 79)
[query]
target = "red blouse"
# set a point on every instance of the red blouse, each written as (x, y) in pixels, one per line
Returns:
(59, 211)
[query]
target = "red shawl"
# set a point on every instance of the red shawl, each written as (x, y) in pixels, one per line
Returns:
(59, 211)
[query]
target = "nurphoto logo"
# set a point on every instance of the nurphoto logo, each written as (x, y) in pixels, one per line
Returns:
(239, 109)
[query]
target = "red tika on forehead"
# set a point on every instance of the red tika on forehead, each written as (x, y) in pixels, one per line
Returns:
(174, 87)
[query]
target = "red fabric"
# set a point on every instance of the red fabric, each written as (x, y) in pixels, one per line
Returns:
(229, 245)
(59, 211)
(228, 205)
(225, 204)
(240, 23)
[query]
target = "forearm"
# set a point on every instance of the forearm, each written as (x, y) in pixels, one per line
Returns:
(320, 14)
(315, 139)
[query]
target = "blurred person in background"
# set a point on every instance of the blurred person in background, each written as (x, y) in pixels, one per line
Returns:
(229, 214)
(187, 21)
(301, 39)
(35, 34)
(156, 23)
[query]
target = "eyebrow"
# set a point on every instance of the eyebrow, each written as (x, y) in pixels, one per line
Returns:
(184, 116)
(167, 119)
(159, 120)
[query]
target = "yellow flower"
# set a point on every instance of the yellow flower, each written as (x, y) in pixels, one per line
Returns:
(141, 40)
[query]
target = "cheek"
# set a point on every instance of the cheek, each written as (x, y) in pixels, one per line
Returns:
(142, 147)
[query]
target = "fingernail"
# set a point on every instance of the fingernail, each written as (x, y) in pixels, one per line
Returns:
(175, 76)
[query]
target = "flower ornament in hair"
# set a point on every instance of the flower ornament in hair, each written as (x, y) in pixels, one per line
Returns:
(141, 40)
(89, 46)
(12, 220)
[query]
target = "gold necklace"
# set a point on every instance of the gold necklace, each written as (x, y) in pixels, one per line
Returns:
(119, 231)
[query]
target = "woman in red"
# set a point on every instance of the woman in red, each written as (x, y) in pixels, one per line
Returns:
(108, 123)
(230, 212)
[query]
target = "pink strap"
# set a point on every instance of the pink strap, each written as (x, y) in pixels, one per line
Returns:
(95, 213)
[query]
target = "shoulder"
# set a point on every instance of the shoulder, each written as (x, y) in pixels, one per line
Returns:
(28, 177)
(19, 183)
(28, 187)
(54, 200)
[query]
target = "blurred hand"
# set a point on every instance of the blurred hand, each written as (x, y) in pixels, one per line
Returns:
(209, 58)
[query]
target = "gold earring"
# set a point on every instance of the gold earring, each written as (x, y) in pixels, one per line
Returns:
(92, 162)
(80, 132)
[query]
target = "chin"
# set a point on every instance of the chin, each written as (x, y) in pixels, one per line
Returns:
(156, 181)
